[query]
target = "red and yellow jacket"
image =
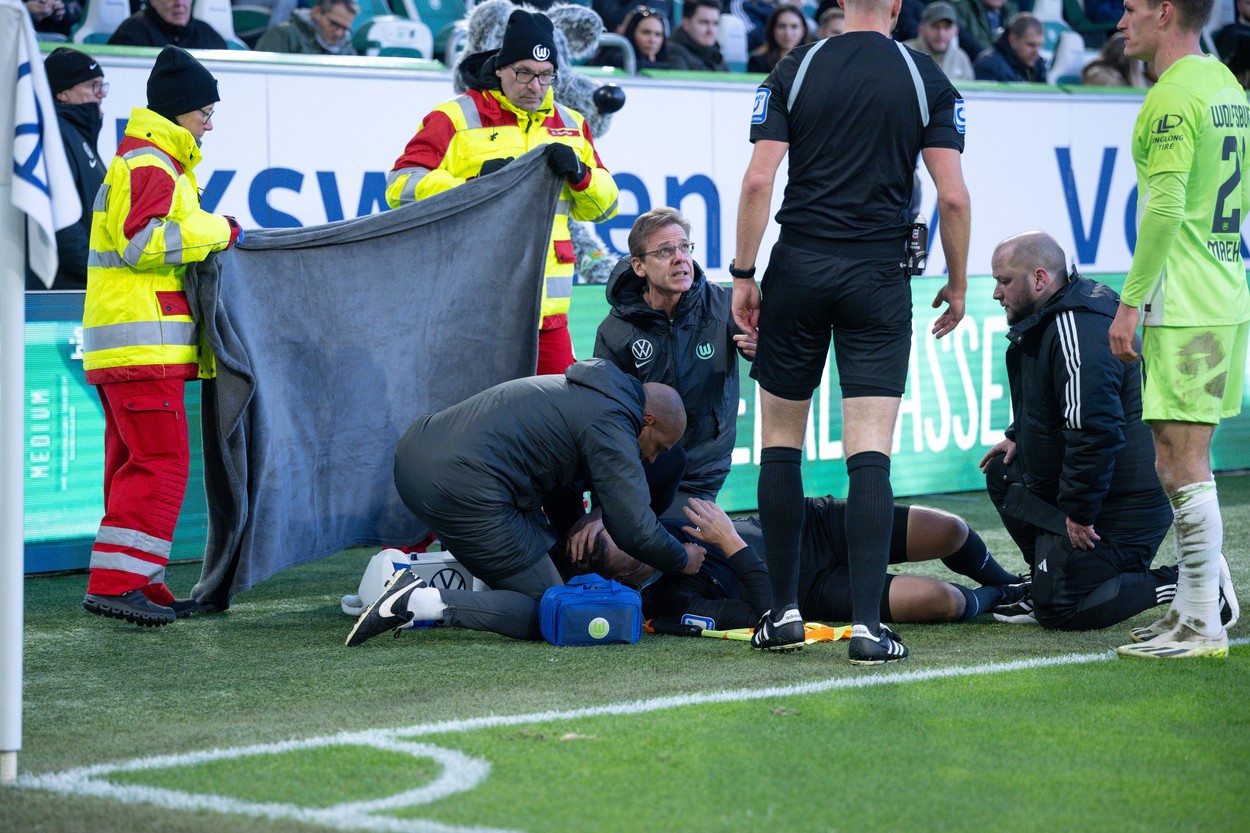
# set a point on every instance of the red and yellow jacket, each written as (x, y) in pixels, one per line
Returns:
(146, 225)
(459, 135)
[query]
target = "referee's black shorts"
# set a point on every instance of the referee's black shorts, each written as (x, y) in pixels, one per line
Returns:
(859, 294)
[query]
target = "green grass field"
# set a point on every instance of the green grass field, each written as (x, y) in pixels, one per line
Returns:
(260, 720)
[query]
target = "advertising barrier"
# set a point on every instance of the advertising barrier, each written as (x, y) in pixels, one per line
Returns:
(297, 145)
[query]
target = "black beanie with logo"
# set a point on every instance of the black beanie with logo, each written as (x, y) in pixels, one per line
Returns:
(527, 36)
(179, 84)
(68, 67)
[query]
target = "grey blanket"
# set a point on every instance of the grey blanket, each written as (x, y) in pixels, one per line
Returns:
(331, 340)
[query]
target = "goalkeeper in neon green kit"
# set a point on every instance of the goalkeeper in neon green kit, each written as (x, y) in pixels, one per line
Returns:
(1189, 283)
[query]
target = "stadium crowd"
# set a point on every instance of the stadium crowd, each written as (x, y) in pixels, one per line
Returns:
(703, 35)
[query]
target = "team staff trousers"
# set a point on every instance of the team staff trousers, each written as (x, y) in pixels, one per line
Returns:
(1079, 589)
(146, 466)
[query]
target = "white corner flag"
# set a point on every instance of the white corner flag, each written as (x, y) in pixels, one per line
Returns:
(37, 197)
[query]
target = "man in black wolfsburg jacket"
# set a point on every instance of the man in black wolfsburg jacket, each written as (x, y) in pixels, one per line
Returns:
(1074, 480)
(477, 472)
(670, 324)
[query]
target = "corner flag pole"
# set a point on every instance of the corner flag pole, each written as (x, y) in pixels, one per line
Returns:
(37, 197)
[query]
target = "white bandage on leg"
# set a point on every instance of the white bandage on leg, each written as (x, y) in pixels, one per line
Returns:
(1199, 538)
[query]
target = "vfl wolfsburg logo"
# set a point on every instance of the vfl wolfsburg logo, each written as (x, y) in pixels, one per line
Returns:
(598, 628)
(541, 53)
(706, 350)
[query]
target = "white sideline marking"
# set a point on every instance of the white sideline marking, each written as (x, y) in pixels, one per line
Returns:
(460, 772)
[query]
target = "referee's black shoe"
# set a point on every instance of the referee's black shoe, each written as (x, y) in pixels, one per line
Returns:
(867, 649)
(785, 634)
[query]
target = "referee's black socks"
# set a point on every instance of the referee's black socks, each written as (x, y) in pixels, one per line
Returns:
(869, 525)
(781, 505)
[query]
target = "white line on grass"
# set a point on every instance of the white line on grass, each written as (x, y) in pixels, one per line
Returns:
(460, 772)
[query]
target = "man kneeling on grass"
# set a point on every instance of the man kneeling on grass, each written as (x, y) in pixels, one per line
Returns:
(732, 590)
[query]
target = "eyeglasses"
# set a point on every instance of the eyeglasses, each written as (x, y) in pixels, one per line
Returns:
(207, 115)
(100, 88)
(524, 76)
(340, 28)
(667, 252)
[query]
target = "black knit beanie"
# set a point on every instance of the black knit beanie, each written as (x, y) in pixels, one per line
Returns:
(179, 84)
(68, 67)
(528, 36)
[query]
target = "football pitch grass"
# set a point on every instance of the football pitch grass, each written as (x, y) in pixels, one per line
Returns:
(259, 719)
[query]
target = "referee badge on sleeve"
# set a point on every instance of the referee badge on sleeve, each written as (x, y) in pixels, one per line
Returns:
(961, 116)
(760, 111)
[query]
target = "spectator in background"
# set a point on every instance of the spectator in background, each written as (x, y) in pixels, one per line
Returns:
(325, 29)
(1017, 53)
(54, 17)
(939, 29)
(754, 15)
(786, 29)
(1112, 68)
(77, 85)
(162, 22)
(646, 29)
(1232, 44)
(831, 23)
(908, 25)
(615, 14)
(980, 21)
(693, 46)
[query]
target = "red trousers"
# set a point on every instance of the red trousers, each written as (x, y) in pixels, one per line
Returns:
(555, 351)
(146, 465)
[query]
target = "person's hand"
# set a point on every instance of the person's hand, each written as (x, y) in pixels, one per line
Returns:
(1082, 537)
(1122, 332)
(746, 305)
(236, 231)
(492, 165)
(953, 297)
(1005, 447)
(563, 161)
(710, 524)
(694, 559)
(582, 542)
(746, 345)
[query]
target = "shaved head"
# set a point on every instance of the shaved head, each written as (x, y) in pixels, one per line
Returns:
(1035, 248)
(663, 420)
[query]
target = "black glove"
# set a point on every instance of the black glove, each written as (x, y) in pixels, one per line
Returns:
(563, 161)
(492, 165)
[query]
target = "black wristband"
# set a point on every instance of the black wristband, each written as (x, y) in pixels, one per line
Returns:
(735, 272)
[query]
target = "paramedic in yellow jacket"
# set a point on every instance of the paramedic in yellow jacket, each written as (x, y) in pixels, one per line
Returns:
(508, 111)
(140, 345)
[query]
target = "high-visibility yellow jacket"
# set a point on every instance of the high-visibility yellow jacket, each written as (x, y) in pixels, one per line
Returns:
(146, 225)
(459, 135)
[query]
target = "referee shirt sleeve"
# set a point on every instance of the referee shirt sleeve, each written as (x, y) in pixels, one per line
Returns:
(946, 108)
(770, 119)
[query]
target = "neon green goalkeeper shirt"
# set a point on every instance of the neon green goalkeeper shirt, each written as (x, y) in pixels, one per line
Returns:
(1193, 193)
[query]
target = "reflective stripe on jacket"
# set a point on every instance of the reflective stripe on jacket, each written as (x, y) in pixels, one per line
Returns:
(146, 226)
(459, 135)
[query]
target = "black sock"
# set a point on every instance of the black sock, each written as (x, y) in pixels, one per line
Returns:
(973, 560)
(869, 525)
(979, 600)
(781, 519)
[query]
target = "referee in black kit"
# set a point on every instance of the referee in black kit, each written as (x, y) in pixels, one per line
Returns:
(853, 112)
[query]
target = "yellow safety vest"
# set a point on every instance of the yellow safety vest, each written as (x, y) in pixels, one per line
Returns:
(459, 135)
(146, 225)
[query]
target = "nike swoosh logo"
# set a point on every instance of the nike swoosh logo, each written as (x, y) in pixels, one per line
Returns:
(92, 67)
(640, 364)
(387, 610)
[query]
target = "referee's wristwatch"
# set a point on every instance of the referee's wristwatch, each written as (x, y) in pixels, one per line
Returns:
(735, 272)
